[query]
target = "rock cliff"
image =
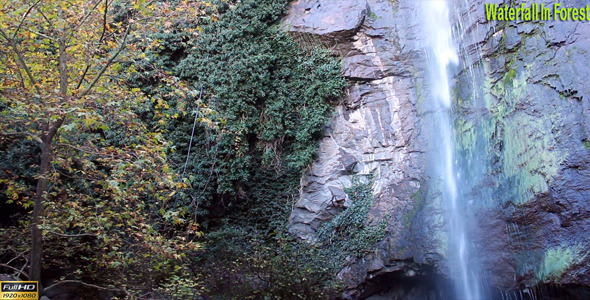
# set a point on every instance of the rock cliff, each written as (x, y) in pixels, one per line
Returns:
(522, 125)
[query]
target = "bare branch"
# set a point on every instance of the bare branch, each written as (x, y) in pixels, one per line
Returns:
(108, 63)
(84, 19)
(77, 148)
(22, 21)
(14, 269)
(104, 20)
(17, 71)
(63, 70)
(104, 29)
(22, 270)
(46, 18)
(41, 34)
(82, 77)
(19, 255)
(21, 60)
(73, 235)
(85, 284)
(34, 137)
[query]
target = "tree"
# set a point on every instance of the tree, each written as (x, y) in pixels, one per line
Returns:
(100, 167)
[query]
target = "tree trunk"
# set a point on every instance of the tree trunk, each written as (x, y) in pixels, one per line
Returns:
(44, 172)
(37, 235)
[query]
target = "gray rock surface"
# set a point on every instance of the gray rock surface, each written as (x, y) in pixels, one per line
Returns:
(376, 130)
(522, 123)
(524, 118)
(329, 19)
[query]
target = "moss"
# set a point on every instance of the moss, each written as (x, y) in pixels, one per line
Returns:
(418, 203)
(526, 153)
(374, 16)
(527, 157)
(466, 136)
(558, 260)
(509, 76)
(522, 159)
(586, 144)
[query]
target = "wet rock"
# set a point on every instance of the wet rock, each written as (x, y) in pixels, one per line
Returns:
(523, 137)
(376, 131)
(333, 19)
(534, 190)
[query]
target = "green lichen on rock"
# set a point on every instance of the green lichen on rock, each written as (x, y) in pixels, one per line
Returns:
(418, 203)
(466, 134)
(510, 75)
(529, 155)
(523, 144)
(558, 260)
(529, 158)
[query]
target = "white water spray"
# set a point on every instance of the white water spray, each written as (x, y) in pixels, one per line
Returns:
(443, 53)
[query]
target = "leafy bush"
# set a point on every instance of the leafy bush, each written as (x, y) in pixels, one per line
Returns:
(348, 233)
(264, 102)
(242, 264)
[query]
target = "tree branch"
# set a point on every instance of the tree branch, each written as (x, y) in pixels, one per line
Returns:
(24, 18)
(17, 71)
(85, 284)
(21, 60)
(82, 77)
(73, 235)
(108, 63)
(20, 272)
(34, 137)
(104, 20)
(84, 19)
(104, 29)
(77, 148)
(46, 18)
(41, 34)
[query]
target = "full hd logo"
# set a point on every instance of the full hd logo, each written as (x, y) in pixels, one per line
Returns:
(19, 290)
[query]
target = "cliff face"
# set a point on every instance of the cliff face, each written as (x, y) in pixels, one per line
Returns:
(376, 131)
(523, 126)
(522, 141)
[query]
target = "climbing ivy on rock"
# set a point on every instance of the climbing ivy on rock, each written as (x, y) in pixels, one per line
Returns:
(349, 234)
(271, 95)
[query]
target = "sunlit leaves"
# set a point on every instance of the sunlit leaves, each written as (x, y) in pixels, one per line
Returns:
(64, 67)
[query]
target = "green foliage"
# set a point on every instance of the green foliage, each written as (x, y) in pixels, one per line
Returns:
(264, 103)
(243, 264)
(184, 286)
(349, 234)
(116, 214)
(103, 183)
(249, 256)
(270, 97)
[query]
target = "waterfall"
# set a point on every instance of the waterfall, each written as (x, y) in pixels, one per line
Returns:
(442, 55)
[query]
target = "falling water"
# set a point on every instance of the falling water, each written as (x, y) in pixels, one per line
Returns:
(442, 55)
